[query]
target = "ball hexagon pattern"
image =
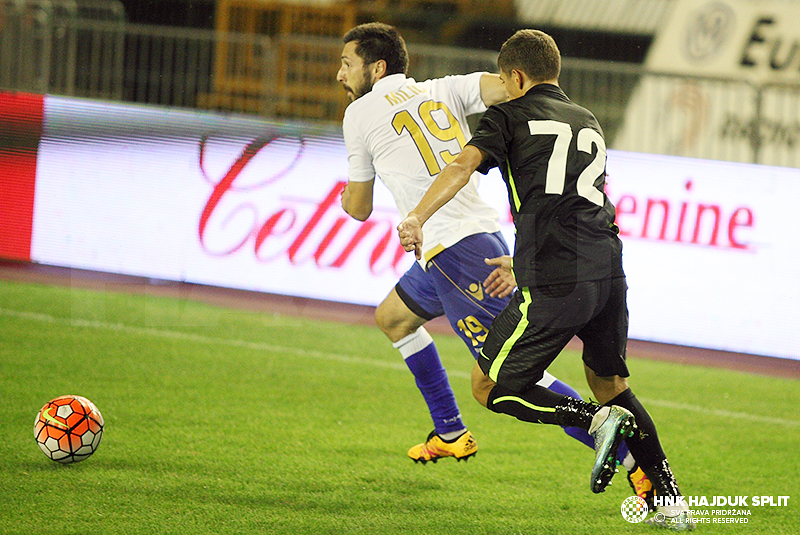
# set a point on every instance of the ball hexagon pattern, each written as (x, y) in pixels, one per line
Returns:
(68, 429)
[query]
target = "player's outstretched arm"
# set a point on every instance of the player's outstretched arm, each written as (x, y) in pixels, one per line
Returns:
(449, 182)
(357, 199)
(493, 90)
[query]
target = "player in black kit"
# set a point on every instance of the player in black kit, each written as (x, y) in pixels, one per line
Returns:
(567, 262)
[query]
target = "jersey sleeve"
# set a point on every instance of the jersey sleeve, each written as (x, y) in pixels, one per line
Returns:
(358, 155)
(466, 89)
(491, 138)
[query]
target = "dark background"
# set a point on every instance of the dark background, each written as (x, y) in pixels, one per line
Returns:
(485, 33)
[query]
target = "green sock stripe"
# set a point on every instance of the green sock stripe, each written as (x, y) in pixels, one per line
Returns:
(523, 403)
(518, 331)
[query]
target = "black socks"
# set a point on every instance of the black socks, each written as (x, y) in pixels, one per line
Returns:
(645, 446)
(541, 405)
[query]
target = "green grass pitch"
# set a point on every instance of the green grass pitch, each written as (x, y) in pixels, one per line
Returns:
(223, 421)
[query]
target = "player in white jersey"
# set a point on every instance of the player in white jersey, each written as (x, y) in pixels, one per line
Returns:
(402, 129)
(405, 132)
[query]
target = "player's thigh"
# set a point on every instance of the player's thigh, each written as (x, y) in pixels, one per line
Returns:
(605, 336)
(533, 330)
(417, 292)
(458, 273)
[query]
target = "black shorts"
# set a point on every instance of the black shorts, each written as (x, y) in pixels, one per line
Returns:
(538, 323)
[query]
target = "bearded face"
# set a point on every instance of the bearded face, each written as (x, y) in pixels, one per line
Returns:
(355, 77)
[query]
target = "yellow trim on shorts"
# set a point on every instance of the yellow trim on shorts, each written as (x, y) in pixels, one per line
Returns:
(494, 371)
(428, 256)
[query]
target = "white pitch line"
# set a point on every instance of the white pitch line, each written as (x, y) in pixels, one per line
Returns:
(722, 413)
(322, 355)
(199, 338)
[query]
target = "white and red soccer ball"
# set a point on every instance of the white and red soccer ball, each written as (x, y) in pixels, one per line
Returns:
(68, 429)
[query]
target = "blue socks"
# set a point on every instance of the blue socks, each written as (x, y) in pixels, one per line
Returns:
(423, 360)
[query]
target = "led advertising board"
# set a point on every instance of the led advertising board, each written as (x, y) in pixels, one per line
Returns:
(709, 247)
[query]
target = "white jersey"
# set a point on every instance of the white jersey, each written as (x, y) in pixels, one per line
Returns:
(405, 132)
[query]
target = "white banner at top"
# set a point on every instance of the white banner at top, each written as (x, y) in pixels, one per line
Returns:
(722, 82)
(755, 40)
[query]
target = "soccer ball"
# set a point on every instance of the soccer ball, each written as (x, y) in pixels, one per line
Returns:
(68, 429)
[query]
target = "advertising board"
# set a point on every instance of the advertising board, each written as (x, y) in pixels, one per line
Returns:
(721, 82)
(709, 247)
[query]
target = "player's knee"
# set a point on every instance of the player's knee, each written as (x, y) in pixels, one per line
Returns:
(381, 317)
(393, 325)
(606, 388)
(481, 386)
(480, 395)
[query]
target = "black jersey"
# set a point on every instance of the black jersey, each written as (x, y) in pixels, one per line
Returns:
(552, 156)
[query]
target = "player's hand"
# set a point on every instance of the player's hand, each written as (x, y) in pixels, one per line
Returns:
(501, 281)
(410, 232)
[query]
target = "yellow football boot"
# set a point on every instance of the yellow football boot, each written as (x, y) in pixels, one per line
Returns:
(434, 448)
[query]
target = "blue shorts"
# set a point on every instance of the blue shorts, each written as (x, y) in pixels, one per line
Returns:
(453, 286)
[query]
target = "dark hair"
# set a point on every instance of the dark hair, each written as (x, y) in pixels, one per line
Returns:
(533, 52)
(376, 41)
